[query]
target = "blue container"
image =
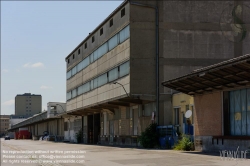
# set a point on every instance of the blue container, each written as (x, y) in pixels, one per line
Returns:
(162, 141)
(168, 139)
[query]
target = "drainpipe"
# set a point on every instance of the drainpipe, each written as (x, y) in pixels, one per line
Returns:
(157, 51)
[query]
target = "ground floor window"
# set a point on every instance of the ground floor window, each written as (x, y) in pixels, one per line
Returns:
(239, 112)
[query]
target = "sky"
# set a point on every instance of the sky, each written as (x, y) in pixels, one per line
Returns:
(36, 36)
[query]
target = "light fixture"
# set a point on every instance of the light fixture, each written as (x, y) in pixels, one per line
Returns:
(201, 74)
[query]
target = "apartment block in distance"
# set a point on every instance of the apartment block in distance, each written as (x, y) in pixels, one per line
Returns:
(28, 104)
(113, 78)
(4, 126)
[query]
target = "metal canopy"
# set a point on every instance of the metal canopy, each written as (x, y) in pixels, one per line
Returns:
(108, 106)
(232, 73)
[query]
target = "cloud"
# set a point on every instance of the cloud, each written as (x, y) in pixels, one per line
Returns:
(45, 87)
(9, 102)
(44, 108)
(5, 70)
(34, 65)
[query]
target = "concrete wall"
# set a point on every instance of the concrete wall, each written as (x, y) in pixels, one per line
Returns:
(232, 145)
(191, 37)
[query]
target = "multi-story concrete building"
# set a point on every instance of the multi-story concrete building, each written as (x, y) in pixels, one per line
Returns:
(28, 104)
(4, 126)
(138, 46)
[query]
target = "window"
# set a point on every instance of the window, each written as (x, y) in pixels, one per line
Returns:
(65, 126)
(73, 56)
(123, 12)
(85, 45)
(85, 62)
(68, 74)
(239, 112)
(113, 74)
(86, 87)
(103, 79)
(68, 95)
(74, 71)
(127, 112)
(101, 31)
(113, 42)
(91, 58)
(102, 50)
(74, 93)
(79, 90)
(79, 66)
(94, 83)
(99, 52)
(79, 51)
(176, 112)
(111, 23)
(95, 53)
(93, 39)
(124, 34)
(124, 69)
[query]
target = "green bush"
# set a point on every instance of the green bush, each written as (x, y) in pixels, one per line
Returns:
(79, 136)
(149, 138)
(184, 144)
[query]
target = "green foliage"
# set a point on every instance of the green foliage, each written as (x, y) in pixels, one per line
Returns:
(184, 144)
(79, 136)
(149, 138)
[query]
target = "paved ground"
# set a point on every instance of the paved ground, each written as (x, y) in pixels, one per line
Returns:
(94, 155)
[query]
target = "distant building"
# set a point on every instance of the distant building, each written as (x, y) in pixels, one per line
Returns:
(28, 104)
(4, 120)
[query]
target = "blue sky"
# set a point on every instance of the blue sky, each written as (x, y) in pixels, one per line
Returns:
(36, 36)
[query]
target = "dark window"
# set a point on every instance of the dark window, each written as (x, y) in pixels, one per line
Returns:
(123, 12)
(65, 126)
(111, 22)
(73, 56)
(101, 31)
(68, 60)
(79, 51)
(30, 103)
(86, 45)
(93, 39)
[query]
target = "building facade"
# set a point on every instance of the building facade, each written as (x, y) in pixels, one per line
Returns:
(181, 104)
(4, 126)
(50, 121)
(222, 104)
(113, 75)
(28, 104)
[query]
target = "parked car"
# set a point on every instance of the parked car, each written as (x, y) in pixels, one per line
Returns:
(7, 137)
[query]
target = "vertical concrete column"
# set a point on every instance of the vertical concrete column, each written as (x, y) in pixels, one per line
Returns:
(105, 123)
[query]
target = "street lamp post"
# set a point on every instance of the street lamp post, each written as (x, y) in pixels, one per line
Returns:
(62, 107)
(122, 87)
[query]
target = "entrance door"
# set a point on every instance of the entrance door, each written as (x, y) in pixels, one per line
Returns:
(111, 130)
(97, 126)
(90, 129)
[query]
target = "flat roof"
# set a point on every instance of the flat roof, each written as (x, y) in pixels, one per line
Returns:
(99, 26)
(224, 75)
(27, 94)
